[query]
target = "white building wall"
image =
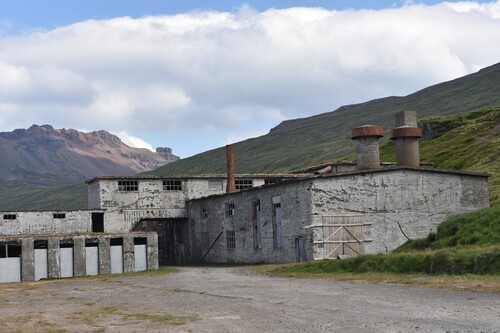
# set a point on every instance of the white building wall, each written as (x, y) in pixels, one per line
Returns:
(43, 222)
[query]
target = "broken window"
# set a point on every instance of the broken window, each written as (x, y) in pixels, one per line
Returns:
(215, 185)
(59, 215)
(243, 184)
(9, 216)
(204, 212)
(128, 185)
(270, 181)
(172, 185)
(205, 241)
(229, 209)
(231, 239)
(277, 232)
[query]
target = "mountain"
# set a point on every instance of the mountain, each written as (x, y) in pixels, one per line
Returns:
(300, 143)
(42, 154)
(45, 168)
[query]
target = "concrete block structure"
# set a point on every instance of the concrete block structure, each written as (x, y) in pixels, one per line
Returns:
(36, 257)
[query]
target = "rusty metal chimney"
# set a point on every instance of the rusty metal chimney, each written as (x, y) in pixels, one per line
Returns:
(368, 148)
(231, 186)
(406, 135)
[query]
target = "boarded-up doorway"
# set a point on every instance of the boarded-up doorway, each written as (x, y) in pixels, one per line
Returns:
(171, 235)
(339, 236)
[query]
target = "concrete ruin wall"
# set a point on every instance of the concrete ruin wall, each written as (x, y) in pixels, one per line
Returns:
(416, 199)
(44, 222)
(295, 204)
(78, 243)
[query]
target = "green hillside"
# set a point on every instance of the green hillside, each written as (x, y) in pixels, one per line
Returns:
(299, 143)
(469, 141)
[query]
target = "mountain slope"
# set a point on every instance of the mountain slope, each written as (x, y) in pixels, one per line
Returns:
(299, 143)
(60, 156)
(468, 141)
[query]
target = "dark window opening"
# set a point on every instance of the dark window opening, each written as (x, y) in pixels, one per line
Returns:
(9, 216)
(140, 241)
(3, 251)
(172, 185)
(229, 209)
(59, 215)
(116, 241)
(243, 184)
(231, 239)
(66, 244)
(270, 181)
(97, 222)
(41, 244)
(13, 251)
(128, 186)
(92, 243)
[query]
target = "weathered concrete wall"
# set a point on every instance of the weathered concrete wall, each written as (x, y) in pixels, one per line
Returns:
(417, 200)
(43, 222)
(295, 206)
(93, 195)
(78, 242)
(413, 200)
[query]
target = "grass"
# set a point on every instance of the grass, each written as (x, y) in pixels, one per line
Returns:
(466, 249)
(471, 282)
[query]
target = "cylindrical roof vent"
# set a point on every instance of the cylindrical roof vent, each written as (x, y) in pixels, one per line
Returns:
(406, 136)
(368, 148)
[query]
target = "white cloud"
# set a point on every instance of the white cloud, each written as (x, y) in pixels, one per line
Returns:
(207, 72)
(133, 141)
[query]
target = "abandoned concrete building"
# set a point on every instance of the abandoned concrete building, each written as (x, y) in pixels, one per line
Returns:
(138, 222)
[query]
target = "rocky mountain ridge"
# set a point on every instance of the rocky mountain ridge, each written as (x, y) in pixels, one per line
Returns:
(59, 156)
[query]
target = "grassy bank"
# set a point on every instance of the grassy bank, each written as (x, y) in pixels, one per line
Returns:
(466, 245)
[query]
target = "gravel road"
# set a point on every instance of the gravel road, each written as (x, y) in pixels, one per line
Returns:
(233, 299)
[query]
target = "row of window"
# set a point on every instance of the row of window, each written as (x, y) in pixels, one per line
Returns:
(176, 185)
(14, 216)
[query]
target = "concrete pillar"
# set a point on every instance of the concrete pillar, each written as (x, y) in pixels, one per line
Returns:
(104, 256)
(128, 254)
(368, 148)
(53, 257)
(79, 262)
(27, 259)
(152, 251)
(406, 136)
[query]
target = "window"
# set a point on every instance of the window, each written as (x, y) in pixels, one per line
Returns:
(215, 185)
(9, 216)
(204, 212)
(231, 239)
(172, 185)
(128, 185)
(229, 211)
(270, 181)
(10, 251)
(59, 215)
(277, 231)
(243, 184)
(205, 241)
(257, 228)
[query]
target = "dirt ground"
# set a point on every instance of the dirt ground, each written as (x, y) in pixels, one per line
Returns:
(233, 299)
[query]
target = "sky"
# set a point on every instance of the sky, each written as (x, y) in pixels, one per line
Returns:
(196, 75)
